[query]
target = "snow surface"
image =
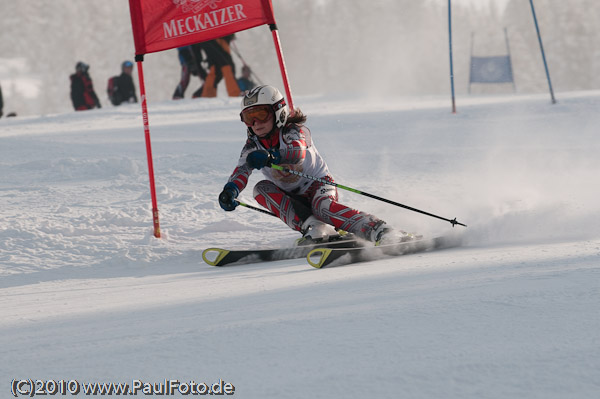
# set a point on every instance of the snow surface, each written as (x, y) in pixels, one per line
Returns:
(89, 294)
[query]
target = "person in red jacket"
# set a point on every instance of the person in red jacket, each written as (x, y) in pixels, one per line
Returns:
(308, 206)
(83, 95)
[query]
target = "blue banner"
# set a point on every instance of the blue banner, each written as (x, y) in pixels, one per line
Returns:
(496, 69)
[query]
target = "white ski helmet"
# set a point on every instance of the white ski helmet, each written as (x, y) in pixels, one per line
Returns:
(268, 95)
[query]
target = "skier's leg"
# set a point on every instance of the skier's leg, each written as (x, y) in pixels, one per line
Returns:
(326, 208)
(291, 210)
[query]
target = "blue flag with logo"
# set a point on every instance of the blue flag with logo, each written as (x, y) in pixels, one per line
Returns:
(496, 69)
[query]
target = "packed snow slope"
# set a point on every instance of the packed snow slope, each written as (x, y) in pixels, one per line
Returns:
(89, 294)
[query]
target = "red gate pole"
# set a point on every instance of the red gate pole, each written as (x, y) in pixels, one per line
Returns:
(140, 59)
(288, 91)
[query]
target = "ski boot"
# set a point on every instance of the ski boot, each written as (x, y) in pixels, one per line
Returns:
(382, 234)
(314, 231)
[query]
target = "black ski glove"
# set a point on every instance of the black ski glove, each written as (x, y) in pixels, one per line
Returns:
(228, 196)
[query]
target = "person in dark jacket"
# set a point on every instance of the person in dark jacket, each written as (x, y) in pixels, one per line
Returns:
(1, 102)
(121, 89)
(83, 95)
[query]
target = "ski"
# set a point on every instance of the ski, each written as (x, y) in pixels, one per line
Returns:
(223, 257)
(323, 257)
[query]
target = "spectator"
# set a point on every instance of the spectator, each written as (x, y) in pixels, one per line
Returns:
(245, 83)
(83, 95)
(190, 58)
(220, 64)
(121, 88)
(10, 114)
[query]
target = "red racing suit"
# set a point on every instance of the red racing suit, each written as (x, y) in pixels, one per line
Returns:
(294, 198)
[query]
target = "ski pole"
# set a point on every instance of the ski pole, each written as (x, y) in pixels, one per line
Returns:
(255, 208)
(237, 52)
(294, 172)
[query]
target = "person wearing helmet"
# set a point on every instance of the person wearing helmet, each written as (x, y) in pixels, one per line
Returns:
(307, 206)
(245, 81)
(83, 95)
(121, 88)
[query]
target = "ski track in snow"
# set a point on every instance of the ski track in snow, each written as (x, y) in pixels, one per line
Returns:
(88, 293)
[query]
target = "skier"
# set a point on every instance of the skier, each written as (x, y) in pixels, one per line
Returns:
(307, 206)
(83, 95)
(121, 88)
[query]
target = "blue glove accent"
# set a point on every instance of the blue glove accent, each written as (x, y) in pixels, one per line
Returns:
(258, 159)
(275, 156)
(228, 196)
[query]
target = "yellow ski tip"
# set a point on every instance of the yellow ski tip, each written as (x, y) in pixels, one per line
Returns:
(319, 255)
(220, 254)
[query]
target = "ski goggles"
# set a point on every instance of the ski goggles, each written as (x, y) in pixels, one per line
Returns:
(260, 113)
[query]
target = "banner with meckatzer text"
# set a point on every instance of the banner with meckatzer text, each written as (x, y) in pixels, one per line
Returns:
(164, 24)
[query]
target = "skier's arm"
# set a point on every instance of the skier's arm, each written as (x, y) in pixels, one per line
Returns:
(294, 149)
(242, 172)
(237, 181)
